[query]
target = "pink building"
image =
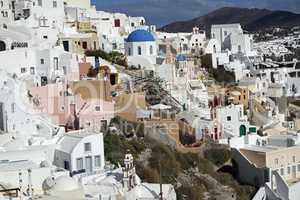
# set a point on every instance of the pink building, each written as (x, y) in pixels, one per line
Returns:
(69, 110)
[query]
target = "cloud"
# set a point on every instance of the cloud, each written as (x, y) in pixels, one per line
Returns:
(161, 12)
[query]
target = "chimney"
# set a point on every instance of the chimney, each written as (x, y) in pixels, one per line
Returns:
(195, 30)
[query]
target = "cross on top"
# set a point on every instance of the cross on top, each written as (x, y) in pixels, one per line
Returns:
(43, 21)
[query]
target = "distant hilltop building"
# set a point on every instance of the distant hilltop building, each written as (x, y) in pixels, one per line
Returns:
(79, 3)
(232, 37)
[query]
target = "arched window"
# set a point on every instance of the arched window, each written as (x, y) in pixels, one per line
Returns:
(151, 49)
(2, 46)
(129, 51)
(139, 50)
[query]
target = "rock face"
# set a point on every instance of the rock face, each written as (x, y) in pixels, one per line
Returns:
(250, 19)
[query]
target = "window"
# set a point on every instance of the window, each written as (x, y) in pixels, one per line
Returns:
(45, 36)
(282, 171)
(114, 45)
(294, 159)
(139, 50)
(84, 45)
(54, 4)
(1, 4)
(298, 166)
(55, 62)
(42, 61)
(289, 170)
(97, 108)
(292, 74)
(228, 118)
(87, 147)
(97, 161)
(40, 3)
(151, 50)
(79, 163)
(32, 71)
(129, 51)
(23, 70)
(13, 105)
(95, 45)
(65, 70)
(103, 126)
(117, 23)
(276, 161)
(66, 165)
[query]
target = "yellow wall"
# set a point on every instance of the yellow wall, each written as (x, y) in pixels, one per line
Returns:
(243, 98)
(127, 105)
(283, 158)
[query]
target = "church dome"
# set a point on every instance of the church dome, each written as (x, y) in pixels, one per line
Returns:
(181, 58)
(140, 36)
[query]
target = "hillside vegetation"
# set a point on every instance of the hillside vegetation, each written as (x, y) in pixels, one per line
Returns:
(194, 177)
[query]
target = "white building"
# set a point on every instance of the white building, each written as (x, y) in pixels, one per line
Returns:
(141, 49)
(16, 113)
(232, 37)
(283, 74)
(79, 3)
(7, 9)
(80, 152)
(42, 66)
(45, 18)
(112, 28)
(233, 121)
(197, 99)
(197, 41)
(28, 176)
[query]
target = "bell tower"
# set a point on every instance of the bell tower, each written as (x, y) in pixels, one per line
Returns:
(129, 172)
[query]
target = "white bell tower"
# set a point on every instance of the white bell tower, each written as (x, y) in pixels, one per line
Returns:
(129, 173)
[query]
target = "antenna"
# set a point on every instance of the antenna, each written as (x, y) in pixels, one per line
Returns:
(160, 179)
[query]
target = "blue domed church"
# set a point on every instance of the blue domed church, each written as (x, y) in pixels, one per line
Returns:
(141, 45)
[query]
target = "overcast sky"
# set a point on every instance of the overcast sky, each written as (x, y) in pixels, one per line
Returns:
(161, 12)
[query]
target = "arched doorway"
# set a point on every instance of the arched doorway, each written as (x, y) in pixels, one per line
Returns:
(243, 130)
(2, 46)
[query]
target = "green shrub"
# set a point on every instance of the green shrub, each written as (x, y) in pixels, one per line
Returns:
(217, 156)
(115, 148)
(190, 193)
(187, 160)
(113, 57)
(162, 158)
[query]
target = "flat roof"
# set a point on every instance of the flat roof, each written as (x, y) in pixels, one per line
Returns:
(195, 84)
(226, 25)
(17, 165)
(262, 149)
